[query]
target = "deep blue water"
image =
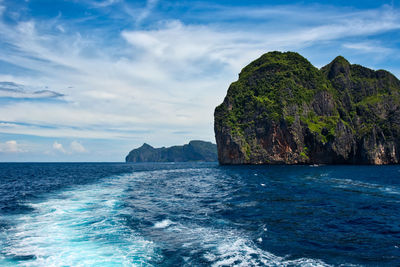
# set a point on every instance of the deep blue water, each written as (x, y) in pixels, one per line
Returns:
(198, 214)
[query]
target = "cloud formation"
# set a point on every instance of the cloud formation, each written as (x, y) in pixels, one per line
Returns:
(11, 146)
(58, 147)
(77, 147)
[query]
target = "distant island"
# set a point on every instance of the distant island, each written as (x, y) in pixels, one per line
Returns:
(194, 151)
(283, 110)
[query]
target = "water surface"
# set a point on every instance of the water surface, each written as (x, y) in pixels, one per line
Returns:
(198, 214)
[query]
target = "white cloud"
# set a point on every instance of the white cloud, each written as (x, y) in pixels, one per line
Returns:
(11, 146)
(77, 147)
(59, 147)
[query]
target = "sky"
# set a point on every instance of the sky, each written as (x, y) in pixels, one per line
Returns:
(89, 80)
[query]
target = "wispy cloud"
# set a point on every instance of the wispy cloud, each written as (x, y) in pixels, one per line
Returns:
(104, 3)
(150, 4)
(369, 47)
(14, 90)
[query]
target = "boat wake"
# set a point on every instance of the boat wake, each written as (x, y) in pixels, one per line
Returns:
(83, 226)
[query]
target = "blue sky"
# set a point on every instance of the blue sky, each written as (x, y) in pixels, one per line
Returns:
(88, 80)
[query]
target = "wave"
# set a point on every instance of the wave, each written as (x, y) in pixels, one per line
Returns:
(347, 183)
(350, 183)
(243, 252)
(229, 247)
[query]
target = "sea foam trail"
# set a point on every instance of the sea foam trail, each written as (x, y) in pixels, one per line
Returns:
(82, 226)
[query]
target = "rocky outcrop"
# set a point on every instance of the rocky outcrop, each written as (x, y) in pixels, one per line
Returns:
(283, 110)
(194, 151)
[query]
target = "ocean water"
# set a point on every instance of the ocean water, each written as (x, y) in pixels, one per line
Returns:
(198, 214)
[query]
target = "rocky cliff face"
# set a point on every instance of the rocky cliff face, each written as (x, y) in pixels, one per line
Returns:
(283, 110)
(194, 151)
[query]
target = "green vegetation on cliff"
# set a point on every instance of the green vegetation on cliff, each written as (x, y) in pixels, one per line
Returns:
(271, 83)
(281, 105)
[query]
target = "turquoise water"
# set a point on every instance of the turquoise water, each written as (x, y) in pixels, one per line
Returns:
(198, 214)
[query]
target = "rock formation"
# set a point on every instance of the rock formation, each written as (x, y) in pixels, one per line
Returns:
(194, 151)
(283, 110)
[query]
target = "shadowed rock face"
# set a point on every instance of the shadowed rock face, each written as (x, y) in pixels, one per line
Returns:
(283, 110)
(194, 151)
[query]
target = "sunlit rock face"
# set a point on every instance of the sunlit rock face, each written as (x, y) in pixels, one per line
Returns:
(283, 110)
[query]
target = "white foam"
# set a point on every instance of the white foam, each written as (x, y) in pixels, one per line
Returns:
(163, 224)
(229, 247)
(242, 252)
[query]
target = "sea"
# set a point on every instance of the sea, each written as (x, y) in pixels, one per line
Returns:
(198, 214)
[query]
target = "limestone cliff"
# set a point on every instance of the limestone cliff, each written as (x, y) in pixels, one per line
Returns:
(194, 151)
(283, 110)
